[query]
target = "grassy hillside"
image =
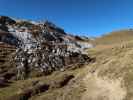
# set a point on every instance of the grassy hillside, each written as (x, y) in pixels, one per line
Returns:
(115, 37)
(108, 77)
(111, 76)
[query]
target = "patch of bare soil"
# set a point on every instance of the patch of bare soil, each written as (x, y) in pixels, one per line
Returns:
(102, 88)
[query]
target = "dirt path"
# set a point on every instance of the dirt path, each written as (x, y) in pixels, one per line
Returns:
(102, 88)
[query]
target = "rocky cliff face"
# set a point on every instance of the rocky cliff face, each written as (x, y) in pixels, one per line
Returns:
(42, 47)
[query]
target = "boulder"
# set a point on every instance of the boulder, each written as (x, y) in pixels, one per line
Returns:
(3, 82)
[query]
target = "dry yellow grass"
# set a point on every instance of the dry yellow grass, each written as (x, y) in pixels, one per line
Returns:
(111, 76)
(102, 88)
(115, 37)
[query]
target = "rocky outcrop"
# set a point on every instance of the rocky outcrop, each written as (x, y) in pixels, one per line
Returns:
(41, 46)
(47, 58)
(4, 20)
(8, 38)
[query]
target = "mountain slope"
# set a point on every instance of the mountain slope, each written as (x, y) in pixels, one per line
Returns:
(115, 37)
(110, 77)
(105, 71)
(38, 58)
(40, 46)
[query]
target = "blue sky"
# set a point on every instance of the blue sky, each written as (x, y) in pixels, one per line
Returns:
(81, 17)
